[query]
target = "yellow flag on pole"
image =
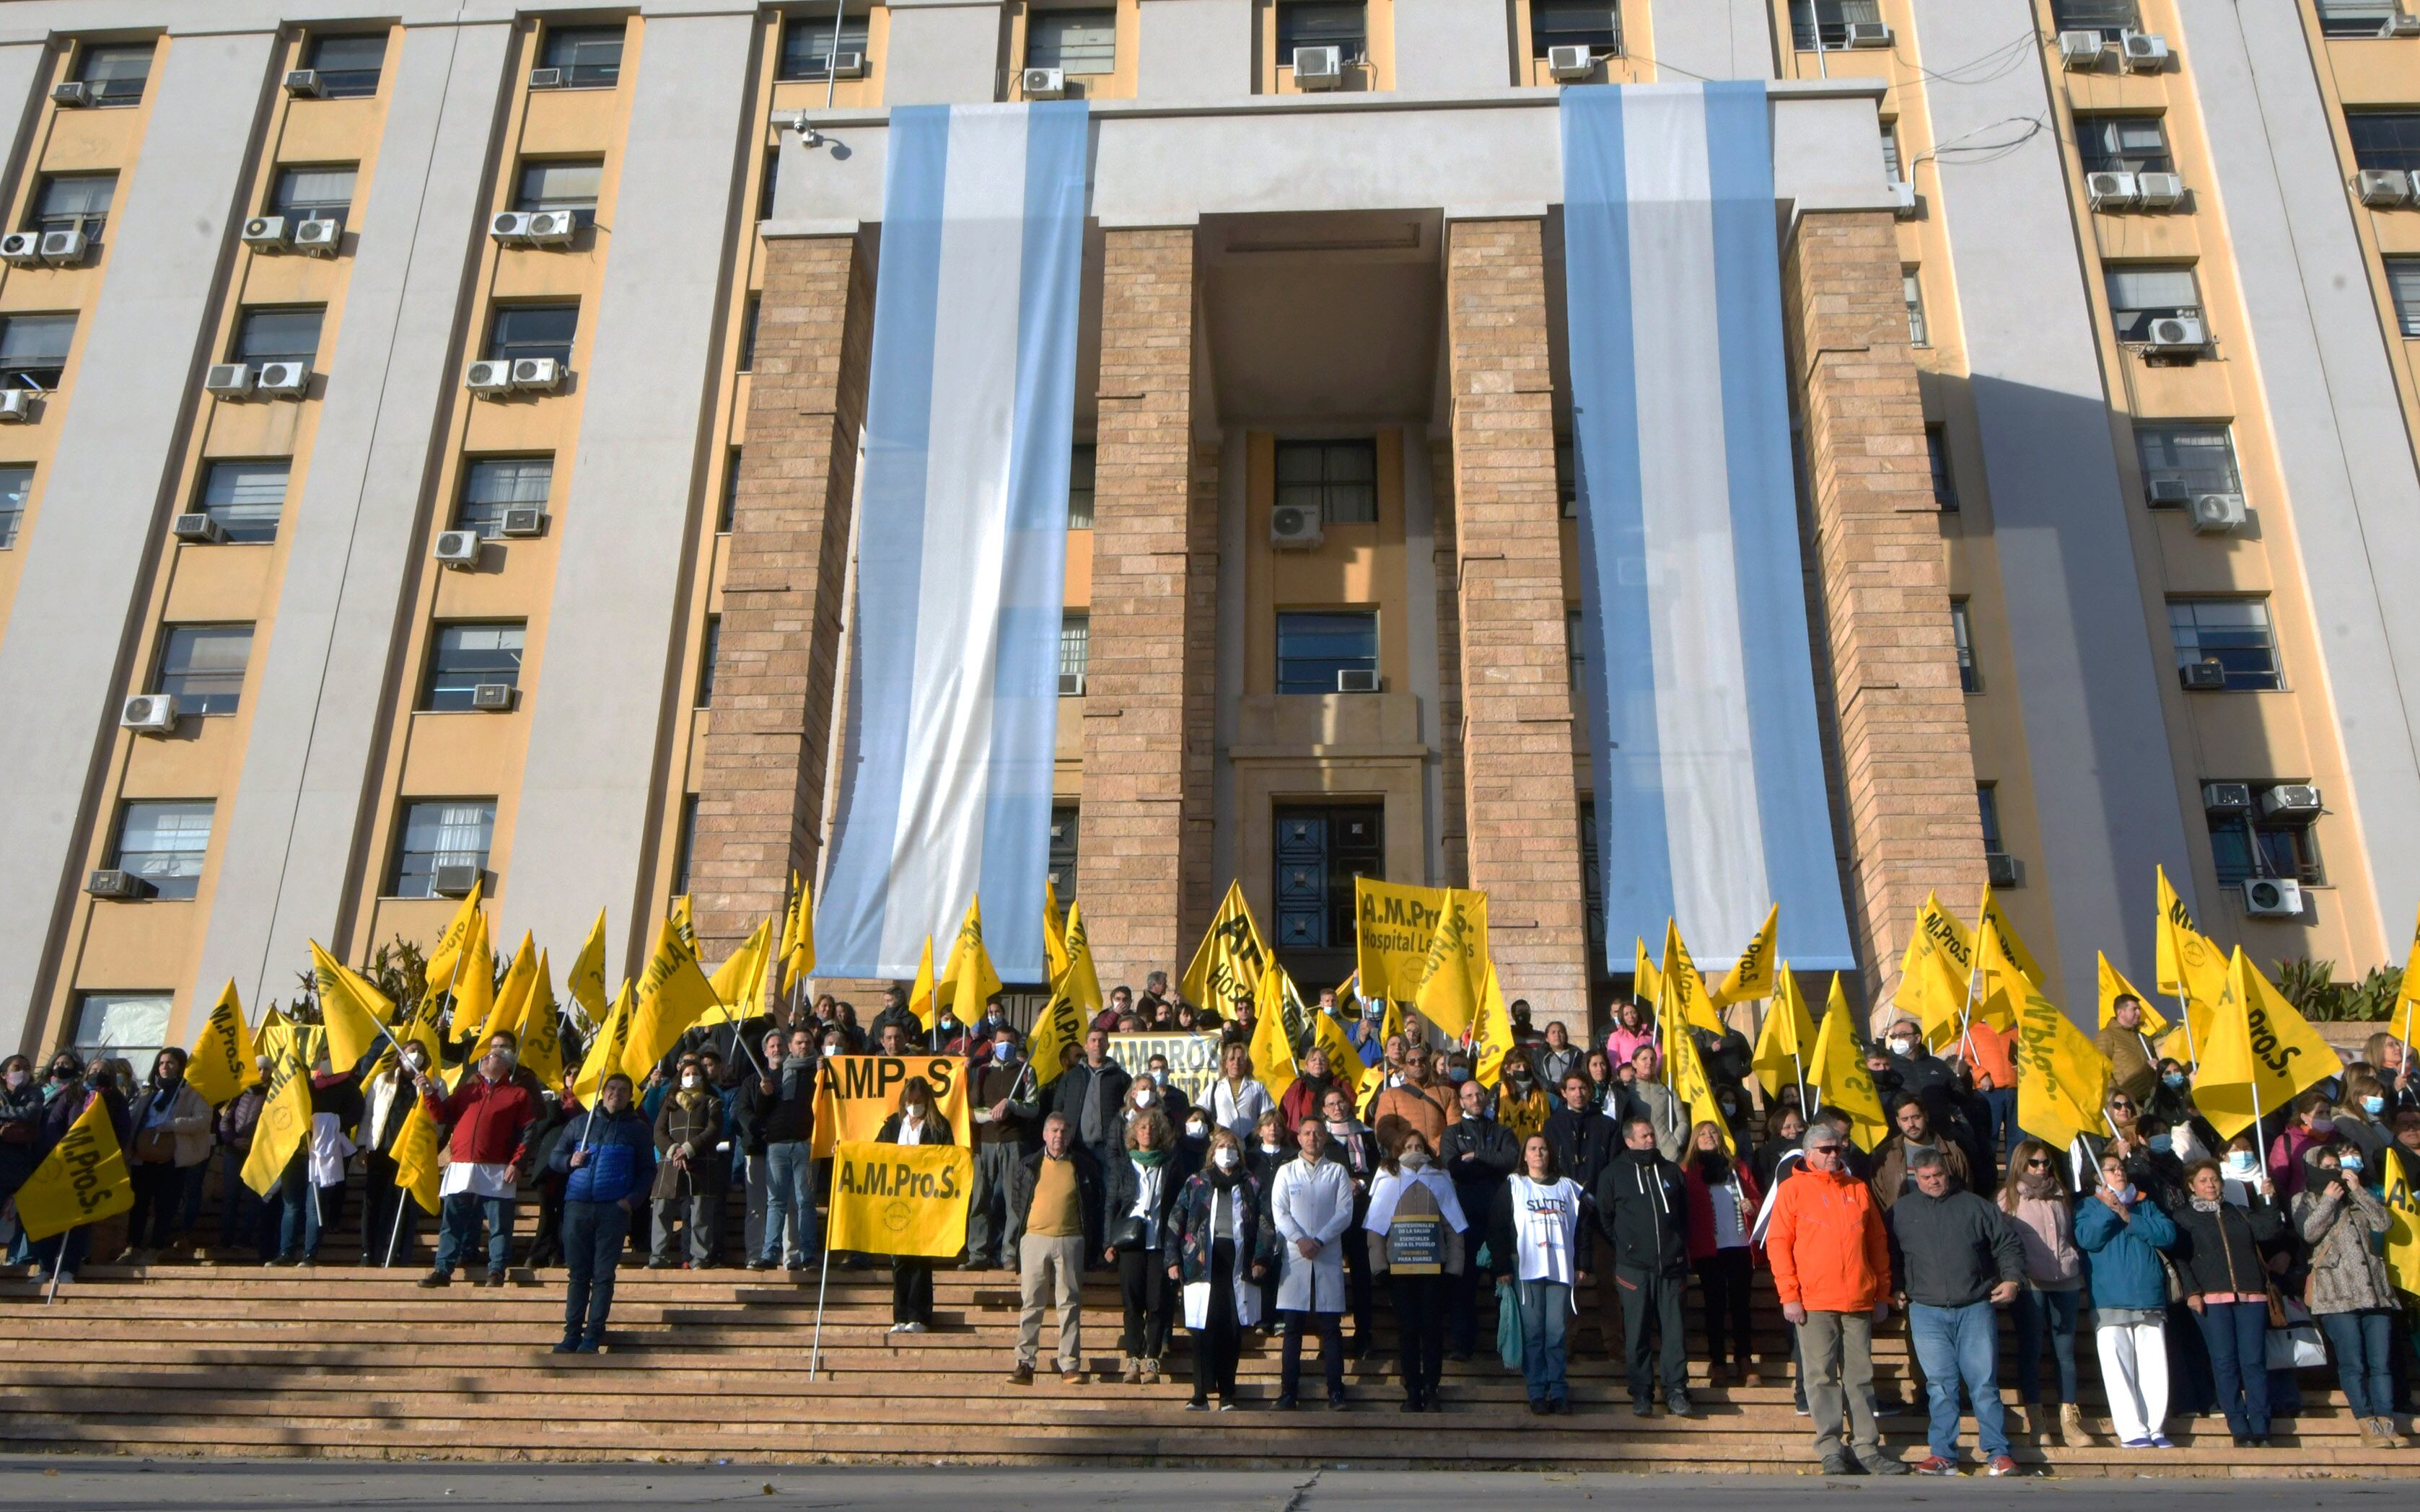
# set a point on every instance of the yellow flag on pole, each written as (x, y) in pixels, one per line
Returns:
(2407, 1000)
(541, 1029)
(1685, 1073)
(285, 1115)
(512, 998)
(1491, 1032)
(1343, 1062)
(473, 982)
(1058, 1028)
(2190, 965)
(1227, 964)
(1934, 971)
(2011, 943)
(2114, 985)
(1751, 976)
(443, 956)
(82, 1180)
(2402, 1228)
(1839, 1074)
(416, 1169)
(2000, 981)
(1054, 933)
(673, 995)
(2062, 1076)
(798, 934)
(1273, 1062)
(605, 1051)
(684, 923)
(739, 983)
(223, 1060)
(1785, 1042)
(2261, 1053)
(585, 981)
(969, 972)
(920, 992)
(1452, 972)
(1646, 978)
(1684, 999)
(350, 1008)
(1081, 982)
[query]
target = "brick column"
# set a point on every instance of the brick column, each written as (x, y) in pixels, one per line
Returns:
(1143, 845)
(1520, 804)
(761, 789)
(1905, 770)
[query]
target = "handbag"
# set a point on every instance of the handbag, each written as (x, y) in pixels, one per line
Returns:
(2294, 1344)
(155, 1147)
(1128, 1232)
(1508, 1324)
(2176, 1282)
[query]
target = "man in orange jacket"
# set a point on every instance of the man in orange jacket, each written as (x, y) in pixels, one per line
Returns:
(1831, 1266)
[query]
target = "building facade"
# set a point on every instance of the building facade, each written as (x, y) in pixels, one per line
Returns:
(430, 447)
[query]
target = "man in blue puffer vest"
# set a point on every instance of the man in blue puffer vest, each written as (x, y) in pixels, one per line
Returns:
(609, 1156)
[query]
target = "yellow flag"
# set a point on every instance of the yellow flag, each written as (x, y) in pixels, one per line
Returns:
(1491, 1031)
(2062, 1076)
(1683, 998)
(446, 952)
(420, 1026)
(1390, 1023)
(2000, 981)
(2010, 942)
(683, 923)
(1751, 976)
(1646, 978)
(920, 992)
(541, 1029)
(887, 1199)
(1934, 971)
(585, 981)
(1452, 972)
(739, 983)
(473, 982)
(1273, 1063)
(350, 1007)
(1838, 1073)
(1685, 1073)
(2189, 964)
(2114, 985)
(799, 956)
(2402, 1228)
(512, 998)
(969, 972)
(1079, 981)
(82, 1180)
(1227, 964)
(285, 1115)
(1054, 933)
(415, 1156)
(223, 1062)
(1058, 1028)
(2407, 997)
(1785, 1042)
(1343, 1062)
(2261, 1053)
(606, 1050)
(672, 996)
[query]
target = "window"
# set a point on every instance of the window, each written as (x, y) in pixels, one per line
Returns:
(1890, 152)
(1575, 648)
(1075, 651)
(286, 335)
(2140, 295)
(348, 65)
(589, 57)
(163, 843)
(246, 498)
(2356, 18)
(2233, 632)
(2384, 138)
(562, 184)
(1340, 479)
(1590, 24)
(729, 494)
(496, 484)
(34, 349)
(1987, 800)
(439, 832)
(467, 655)
(1912, 289)
(2123, 144)
(1312, 647)
(1936, 452)
(772, 183)
(685, 844)
(2249, 844)
(1816, 24)
(1305, 23)
(316, 193)
(72, 202)
(2202, 457)
(748, 333)
(116, 75)
(1567, 479)
(807, 43)
(131, 1025)
(705, 661)
(1079, 41)
(521, 331)
(1064, 831)
(2112, 19)
(2403, 283)
(15, 483)
(202, 666)
(1081, 465)
(1961, 631)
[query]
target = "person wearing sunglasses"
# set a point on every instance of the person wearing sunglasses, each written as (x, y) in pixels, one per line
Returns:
(1831, 1269)
(2042, 1213)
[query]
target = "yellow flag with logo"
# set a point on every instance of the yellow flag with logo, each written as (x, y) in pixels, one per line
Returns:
(1081, 982)
(2114, 985)
(1227, 965)
(2261, 1053)
(1751, 976)
(969, 972)
(1646, 978)
(684, 923)
(2190, 965)
(446, 953)
(350, 1007)
(739, 983)
(585, 981)
(920, 992)
(223, 1061)
(512, 998)
(2000, 981)
(82, 1180)
(900, 1199)
(1684, 999)
(1452, 974)
(1491, 1032)
(1392, 925)
(2062, 1076)
(420, 1026)
(1054, 933)
(1839, 1074)
(799, 934)
(2402, 1228)
(1684, 1071)
(473, 983)
(416, 1169)
(672, 996)
(605, 1051)
(1785, 1042)
(285, 1115)
(1343, 1061)
(1058, 1028)
(2011, 944)
(1934, 971)
(1273, 1063)
(541, 1029)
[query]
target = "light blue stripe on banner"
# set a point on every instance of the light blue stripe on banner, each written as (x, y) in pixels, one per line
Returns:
(1632, 844)
(1800, 869)
(1025, 688)
(850, 909)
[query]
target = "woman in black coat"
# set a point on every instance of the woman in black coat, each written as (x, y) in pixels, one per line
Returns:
(917, 1122)
(2219, 1252)
(1137, 1192)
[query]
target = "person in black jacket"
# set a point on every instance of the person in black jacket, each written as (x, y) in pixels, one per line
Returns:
(1954, 1257)
(1058, 1189)
(1583, 1140)
(917, 1122)
(1642, 1210)
(1137, 1195)
(2219, 1248)
(777, 1105)
(1091, 1093)
(1477, 1154)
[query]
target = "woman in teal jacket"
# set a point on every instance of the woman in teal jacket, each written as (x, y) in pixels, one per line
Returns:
(2121, 1234)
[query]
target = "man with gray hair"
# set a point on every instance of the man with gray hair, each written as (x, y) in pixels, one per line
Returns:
(1058, 1189)
(1954, 1256)
(1831, 1259)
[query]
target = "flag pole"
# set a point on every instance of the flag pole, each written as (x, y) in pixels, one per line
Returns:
(58, 1263)
(2184, 1010)
(814, 1356)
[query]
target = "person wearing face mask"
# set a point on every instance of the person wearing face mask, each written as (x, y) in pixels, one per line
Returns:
(2350, 1291)
(1352, 1145)
(2124, 1232)
(2226, 1285)
(1411, 1187)
(1476, 1155)
(385, 1105)
(2312, 1124)
(1171, 1100)
(64, 1253)
(689, 1178)
(1312, 1203)
(21, 1121)
(777, 1105)
(1650, 1098)
(2041, 1213)
(2361, 1122)
(1831, 1268)
(1005, 1104)
(172, 1140)
(1138, 1201)
(1309, 1093)
(917, 1122)
(1368, 1033)
(1193, 1143)
(490, 1114)
(1724, 1198)
(1224, 1247)
(1267, 1151)
(607, 1160)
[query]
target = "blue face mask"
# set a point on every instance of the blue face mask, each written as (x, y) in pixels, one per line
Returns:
(1457, 1075)
(2349, 1162)
(2373, 1106)
(1001, 1050)
(2175, 1078)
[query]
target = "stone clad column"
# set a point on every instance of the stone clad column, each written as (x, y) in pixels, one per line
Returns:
(1905, 769)
(1520, 803)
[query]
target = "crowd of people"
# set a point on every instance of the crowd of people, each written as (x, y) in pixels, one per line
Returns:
(2207, 1269)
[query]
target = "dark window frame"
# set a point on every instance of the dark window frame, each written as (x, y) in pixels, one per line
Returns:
(2251, 668)
(119, 90)
(201, 693)
(45, 375)
(1340, 496)
(563, 46)
(245, 529)
(499, 348)
(1579, 30)
(409, 868)
(348, 81)
(40, 217)
(1314, 671)
(252, 317)
(446, 683)
(174, 872)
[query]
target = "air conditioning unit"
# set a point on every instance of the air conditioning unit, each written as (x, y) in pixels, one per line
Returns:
(2203, 677)
(2216, 514)
(489, 377)
(1868, 34)
(268, 233)
(2401, 23)
(282, 380)
(537, 375)
(229, 380)
(2112, 191)
(2171, 491)
(1042, 84)
(2001, 869)
(148, 714)
(65, 248)
(21, 248)
(195, 528)
(1071, 685)
(546, 78)
(509, 228)
(2161, 191)
(73, 95)
(459, 550)
(2382, 189)
(492, 698)
(1903, 195)
(1571, 64)
(2272, 897)
(17, 406)
(849, 65)
(303, 84)
(454, 879)
(321, 236)
(2177, 333)
(109, 882)
(550, 228)
(2080, 52)
(2144, 52)
(1318, 68)
(2227, 797)
(2292, 800)
(1293, 528)
(1353, 680)
(521, 520)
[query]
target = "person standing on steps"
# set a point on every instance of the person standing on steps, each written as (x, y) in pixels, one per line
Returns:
(1057, 1192)
(1542, 1246)
(1004, 1101)
(1477, 1154)
(2226, 1285)
(1138, 1199)
(1831, 1264)
(1408, 1190)
(2042, 1214)
(1724, 1199)
(1223, 1247)
(690, 1173)
(2124, 1231)
(2350, 1291)
(778, 1104)
(1310, 1203)
(911, 1275)
(492, 1114)
(1954, 1257)
(607, 1158)
(1642, 1210)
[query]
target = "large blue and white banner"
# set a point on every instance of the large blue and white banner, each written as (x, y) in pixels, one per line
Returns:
(1709, 773)
(962, 541)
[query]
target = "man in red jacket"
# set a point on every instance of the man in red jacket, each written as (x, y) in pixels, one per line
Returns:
(491, 1113)
(1831, 1266)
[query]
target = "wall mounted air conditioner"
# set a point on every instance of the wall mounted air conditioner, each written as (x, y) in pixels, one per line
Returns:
(2203, 676)
(2161, 191)
(194, 528)
(282, 380)
(2001, 869)
(1864, 34)
(229, 380)
(522, 520)
(457, 550)
(2177, 333)
(2227, 797)
(2112, 191)
(492, 698)
(1356, 680)
(65, 248)
(2080, 50)
(2144, 52)
(1903, 202)
(21, 248)
(546, 78)
(1569, 64)
(17, 406)
(509, 228)
(489, 377)
(73, 95)
(550, 228)
(319, 237)
(537, 375)
(2382, 189)
(849, 65)
(2272, 896)
(148, 714)
(2171, 491)
(2216, 514)
(1071, 685)
(1294, 527)
(1042, 84)
(268, 233)
(454, 879)
(109, 882)
(1318, 68)
(2292, 800)
(303, 84)
(2401, 23)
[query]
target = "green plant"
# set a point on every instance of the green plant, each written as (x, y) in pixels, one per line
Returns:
(398, 969)
(2312, 987)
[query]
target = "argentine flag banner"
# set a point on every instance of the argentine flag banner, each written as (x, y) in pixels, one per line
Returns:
(1699, 686)
(944, 790)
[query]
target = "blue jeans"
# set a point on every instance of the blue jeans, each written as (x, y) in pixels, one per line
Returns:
(790, 1194)
(79, 1249)
(1545, 1312)
(592, 1248)
(2360, 1342)
(2003, 1133)
(2237, 1334)
(463, 1213)
(1955, 1345)
(2053, 1312)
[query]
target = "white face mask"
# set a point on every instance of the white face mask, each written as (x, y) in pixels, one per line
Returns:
(1226, 1157)
(1197, 1131)
(1267, 1149)
(1414, 1160)
(1903, 1047)
(2180, 1141)
(1145, 1098)
(689, 1079)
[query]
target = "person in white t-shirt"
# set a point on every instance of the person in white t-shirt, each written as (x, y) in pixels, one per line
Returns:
(1543, 1247)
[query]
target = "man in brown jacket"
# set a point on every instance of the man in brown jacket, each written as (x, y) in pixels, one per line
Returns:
(1912, 1133)
(1419, 1104)
(2133, 1061)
